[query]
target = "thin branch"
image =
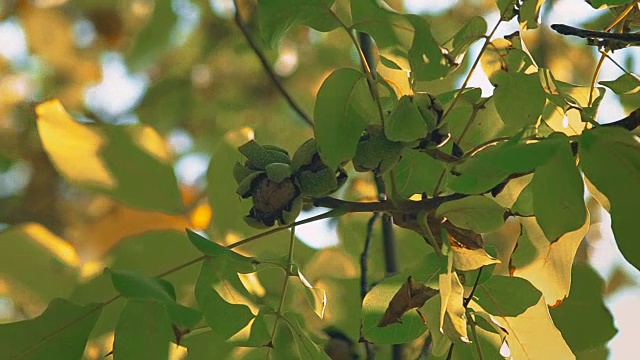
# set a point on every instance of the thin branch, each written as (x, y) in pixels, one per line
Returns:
(364, 283)
(267, 67)
(467, 300)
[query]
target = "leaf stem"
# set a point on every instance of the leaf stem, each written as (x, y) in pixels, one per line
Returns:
(285, 284)
(267, 68)
(475, 340)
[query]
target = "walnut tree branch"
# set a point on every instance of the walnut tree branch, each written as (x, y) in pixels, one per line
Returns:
(627, 38)
(267, 67)
(631, 122)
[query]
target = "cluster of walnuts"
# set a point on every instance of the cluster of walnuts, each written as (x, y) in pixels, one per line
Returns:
(278, 183)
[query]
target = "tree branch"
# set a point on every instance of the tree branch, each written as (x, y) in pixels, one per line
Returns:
(364, 283)
(630, 122)
(267, 67)
(629, 38)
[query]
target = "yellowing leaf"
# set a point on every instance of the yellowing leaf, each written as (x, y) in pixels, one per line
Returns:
(532, 335)
(149, 140)
(73, 148)
(121, 161)
(451, 291)
(547, 265)
(57, 246)
(470, 259)
(317, 297)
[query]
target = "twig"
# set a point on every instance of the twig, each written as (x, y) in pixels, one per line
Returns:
(267, 68)
(364, 283)
(487, 41)
(467, 300)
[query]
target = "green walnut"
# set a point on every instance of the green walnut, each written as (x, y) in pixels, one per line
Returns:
(316, 179)
(267, 178)
(375, 152)
(258, 156)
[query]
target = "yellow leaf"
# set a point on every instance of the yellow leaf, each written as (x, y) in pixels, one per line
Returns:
(452, 291)
(470, 259)
(547, 265)
(532, 335)
(57, 246)
(149, 140)
(73, 147)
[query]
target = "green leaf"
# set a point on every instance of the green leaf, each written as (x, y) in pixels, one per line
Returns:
(518, 111)
(473, 31)
(94, 157)
(627, 83)
(494, 164)
(224, 318)
(307, 348)
(239, 263)
(377, 301)
(507, 9)
(201, 346)
(558, 193)
(505, 56)
(405, 122)
(529, 13)
(610, 159)
(506, 296)
(425, 56)
(478, 213)
(317, 297)
(143, 331)
(61, 332)
(342, 111)
(278, 16)
(154, 39)
(388, 28)
(259, 334)
(227, 209)
(29, 263)
(524, 203)
(134, 286)
(582, 318)
(417, 173)
(598, 4)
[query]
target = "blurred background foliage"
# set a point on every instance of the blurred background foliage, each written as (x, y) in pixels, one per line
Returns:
(183, 68)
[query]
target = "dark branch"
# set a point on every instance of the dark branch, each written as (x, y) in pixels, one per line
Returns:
(630, 122)
(364, 282)
(625, 38)
(268, 69)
